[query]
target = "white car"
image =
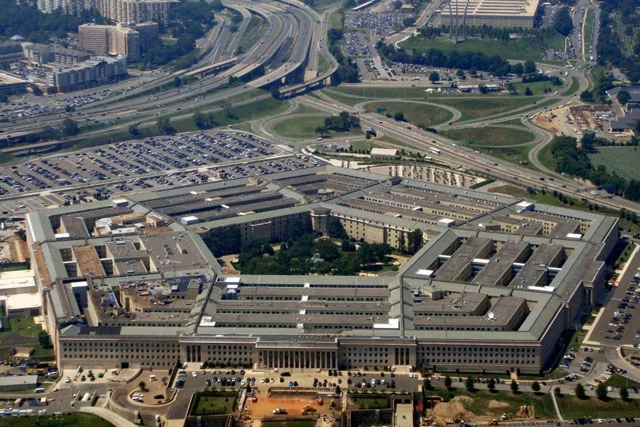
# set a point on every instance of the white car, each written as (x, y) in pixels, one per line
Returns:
(67, 380)
(194, 374)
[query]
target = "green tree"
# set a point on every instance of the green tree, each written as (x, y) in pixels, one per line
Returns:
(483, 89)
(624, 393)
(587, 96)
(529, 67)
(133, 129)
(427, 384)
(580, 391)
(562, 22)
(164, 126)
(402, 243)
(515, 388)
(414, 241)
(327, 250)
(491, 385)
(142, 385)
(335, 228)
(45, 339)
(623, 97)
(601, 392)
(470, 384)
(527, 91)
(434, 77)
(399, 117)
(447, 382)
(535, 386)
(70, 127)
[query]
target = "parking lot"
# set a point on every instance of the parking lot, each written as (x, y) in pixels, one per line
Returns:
(141, 165)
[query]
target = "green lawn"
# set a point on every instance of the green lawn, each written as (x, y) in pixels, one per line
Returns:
(21, 332)
(361, 146)
(571, 407)
(417, 114)
(370, 402)
(575, 85)
(622, 160)
(588, 30)
(537, 88)
(476, 107)
(523, 49)
(508, 154)
(213, 405)
(489, 136)
(362, 93)
(509, 402)
(304, 127)
(72, 420)
(618, 381)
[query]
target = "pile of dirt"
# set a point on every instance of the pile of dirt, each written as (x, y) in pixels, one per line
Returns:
(454, 409)
(495, 404)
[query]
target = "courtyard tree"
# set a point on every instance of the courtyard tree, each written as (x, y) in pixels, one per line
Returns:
(580, 392)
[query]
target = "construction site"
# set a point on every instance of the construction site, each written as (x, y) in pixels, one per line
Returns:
(287, 404)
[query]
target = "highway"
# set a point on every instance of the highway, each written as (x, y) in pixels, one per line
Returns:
(459, 157)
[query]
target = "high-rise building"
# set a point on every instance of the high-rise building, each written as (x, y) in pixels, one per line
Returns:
(110, 40)
(122, 11)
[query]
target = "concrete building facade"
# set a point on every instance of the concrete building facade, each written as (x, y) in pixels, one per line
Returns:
(473, 298)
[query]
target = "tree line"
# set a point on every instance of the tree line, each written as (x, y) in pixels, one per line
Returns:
(575, 161)
(611, 48)
(38, 27)
(494, 64)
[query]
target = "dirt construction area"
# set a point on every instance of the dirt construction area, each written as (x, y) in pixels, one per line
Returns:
(264, 406)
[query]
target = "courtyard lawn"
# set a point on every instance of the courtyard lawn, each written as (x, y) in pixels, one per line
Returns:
(21, 332)
(366, 402)
(213, 403)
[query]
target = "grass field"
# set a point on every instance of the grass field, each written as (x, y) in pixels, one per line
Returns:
(588, 30)
(537, 88)
(21, 332)
(366, 402)
(366, 92)
(417, 114)
(575, 85)
(72, 420)
(299, 423)
(622, 160)
(618, 381)
(508, 154)
(484, 402)
(303, 127)
(523, 49)
(208, 404)
(572, 407)
(361, 146)
(489, 136)
(478, 107)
